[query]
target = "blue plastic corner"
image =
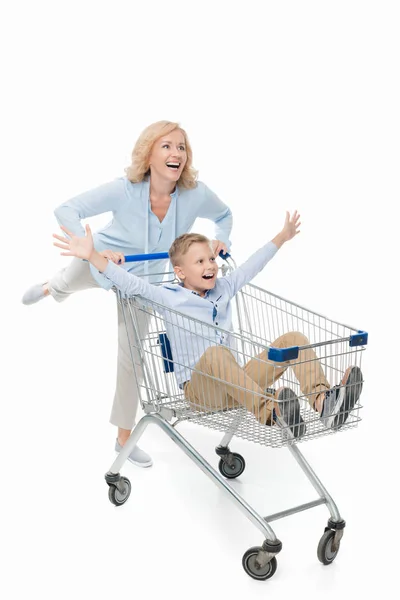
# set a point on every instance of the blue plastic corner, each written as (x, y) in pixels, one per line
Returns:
(283, 354)
(359, 339)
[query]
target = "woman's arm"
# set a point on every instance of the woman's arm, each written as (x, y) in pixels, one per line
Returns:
(214, 209)
(105, 198)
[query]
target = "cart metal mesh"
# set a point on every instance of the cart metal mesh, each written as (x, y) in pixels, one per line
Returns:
(259, 318)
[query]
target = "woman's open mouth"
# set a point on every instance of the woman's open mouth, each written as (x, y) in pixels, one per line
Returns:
(174, 166)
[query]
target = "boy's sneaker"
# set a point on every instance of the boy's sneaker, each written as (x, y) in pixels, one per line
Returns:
(34, 294)
(137, 457)
(340, 400)
(289, 419)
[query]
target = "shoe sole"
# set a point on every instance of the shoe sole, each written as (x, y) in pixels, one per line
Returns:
(139, 464)
(352, 383)
(290, 418)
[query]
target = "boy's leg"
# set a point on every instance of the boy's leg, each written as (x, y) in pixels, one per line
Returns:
(265, 373)
(234, 386)
(334, 404)
(307, 368)
(231, 386)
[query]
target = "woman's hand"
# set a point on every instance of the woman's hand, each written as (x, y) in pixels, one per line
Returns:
(217, 246)
(81, 247)
(116, 257)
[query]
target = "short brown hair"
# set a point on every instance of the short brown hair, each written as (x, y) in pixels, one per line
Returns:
(182, 244)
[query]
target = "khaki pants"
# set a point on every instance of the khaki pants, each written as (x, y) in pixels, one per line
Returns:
(218, 381)
(77, 277)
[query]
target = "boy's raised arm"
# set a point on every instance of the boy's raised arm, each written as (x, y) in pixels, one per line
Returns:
(129, 284)
(257, 261)
(289, 231)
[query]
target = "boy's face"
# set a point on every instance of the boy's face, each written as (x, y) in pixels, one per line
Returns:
(197, 268)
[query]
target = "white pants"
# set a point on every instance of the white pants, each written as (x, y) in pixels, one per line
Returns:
(77, 277)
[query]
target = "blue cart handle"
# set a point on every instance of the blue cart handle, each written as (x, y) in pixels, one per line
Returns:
(158, 256)
(141, 257)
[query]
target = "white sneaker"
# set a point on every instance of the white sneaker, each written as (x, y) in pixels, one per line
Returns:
(34, 294)
(341, 399)
(137, 457)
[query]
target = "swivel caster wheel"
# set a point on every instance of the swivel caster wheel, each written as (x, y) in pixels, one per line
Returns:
(254, 569)
(118, 497)
(327, 548)
(234, 468)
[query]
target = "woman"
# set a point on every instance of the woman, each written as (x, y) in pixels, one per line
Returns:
(158, 200)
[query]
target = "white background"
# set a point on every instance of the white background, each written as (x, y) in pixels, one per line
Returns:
(287, 105)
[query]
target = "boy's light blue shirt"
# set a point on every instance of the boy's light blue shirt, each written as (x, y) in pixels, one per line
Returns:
(134, 228)
(190, 339)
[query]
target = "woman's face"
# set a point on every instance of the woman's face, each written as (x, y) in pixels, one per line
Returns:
(168, 156)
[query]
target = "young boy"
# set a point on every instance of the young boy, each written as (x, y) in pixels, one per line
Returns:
(205, 365)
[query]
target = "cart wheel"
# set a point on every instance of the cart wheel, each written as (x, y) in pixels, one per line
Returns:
(235, 469)
(325, 552)
(116, 496)
(253, 569)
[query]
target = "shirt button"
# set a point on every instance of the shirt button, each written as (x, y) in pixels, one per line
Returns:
(216, 323)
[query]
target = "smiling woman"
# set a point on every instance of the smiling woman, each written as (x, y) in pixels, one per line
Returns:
(158, 200)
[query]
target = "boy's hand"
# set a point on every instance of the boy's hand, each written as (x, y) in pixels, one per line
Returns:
(81, 247)
(290, 229)
(116, 257)
(217, 246)
(291, 226)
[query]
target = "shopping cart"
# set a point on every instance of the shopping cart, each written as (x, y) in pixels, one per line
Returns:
(259, 318)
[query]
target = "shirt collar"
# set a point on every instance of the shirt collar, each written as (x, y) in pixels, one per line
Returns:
(179, 286)
(175, 193)
(205, 295)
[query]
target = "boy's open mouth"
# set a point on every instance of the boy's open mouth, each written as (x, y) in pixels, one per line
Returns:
(208, 276)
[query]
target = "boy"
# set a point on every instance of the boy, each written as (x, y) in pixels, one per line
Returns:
(205, 365)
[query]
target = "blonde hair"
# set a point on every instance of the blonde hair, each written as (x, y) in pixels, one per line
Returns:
(182, 244)
(139, 167)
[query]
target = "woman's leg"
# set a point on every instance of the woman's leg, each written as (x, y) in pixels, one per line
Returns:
(129, 376)
(75, 277)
